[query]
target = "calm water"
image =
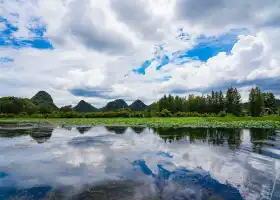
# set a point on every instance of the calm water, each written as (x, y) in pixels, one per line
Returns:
(138, 163)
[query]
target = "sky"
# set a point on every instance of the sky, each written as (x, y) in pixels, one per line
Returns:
(137, 49)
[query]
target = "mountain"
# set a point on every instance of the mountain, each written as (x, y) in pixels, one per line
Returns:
(138, 105)
(44, 99)
(83, 106)
(115, 105)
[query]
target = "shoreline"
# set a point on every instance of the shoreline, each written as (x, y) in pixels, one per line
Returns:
(192, 122)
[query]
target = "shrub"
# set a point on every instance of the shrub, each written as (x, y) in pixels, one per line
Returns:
(7, 115)
(222, 113)
(179, 114)
(165, 113)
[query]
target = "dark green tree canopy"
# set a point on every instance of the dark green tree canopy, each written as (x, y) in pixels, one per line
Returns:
(66, 108)
(256, 102)
(17, 105)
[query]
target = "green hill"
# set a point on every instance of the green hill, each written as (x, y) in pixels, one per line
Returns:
(44, 101)
(115, 105)
(138, 105)
(83, 106)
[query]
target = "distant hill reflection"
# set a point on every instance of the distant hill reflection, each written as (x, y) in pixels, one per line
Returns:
(40, 135)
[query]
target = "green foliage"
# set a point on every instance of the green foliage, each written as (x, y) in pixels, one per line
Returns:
(203, 122)
(278, 110)
(222, 113)
(194, 114)
(233, 102)
(256, 102)
(17, 105)
(66, 108)
(211, 105)
(269, 101)
(165, 113)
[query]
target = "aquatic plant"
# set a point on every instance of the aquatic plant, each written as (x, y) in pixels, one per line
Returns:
(207, 122)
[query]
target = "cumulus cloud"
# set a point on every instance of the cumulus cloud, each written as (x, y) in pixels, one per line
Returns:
(252, 58)
(137, 16)
(220, 14)
(80, 23)
(98, 44)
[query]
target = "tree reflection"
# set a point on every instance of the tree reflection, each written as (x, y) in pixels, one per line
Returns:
(170, 134)
(83, 129)
(138, 129)
(40, 135)
(233, 138)
(261, 137)
(116, 129)
(212, 136)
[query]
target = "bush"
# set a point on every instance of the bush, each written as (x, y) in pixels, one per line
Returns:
(222, 114)
(7, 115)
(165, 113)
(194, 114)
(36, 116)
(179, 114)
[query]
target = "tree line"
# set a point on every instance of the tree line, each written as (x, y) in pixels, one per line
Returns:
(216, 103)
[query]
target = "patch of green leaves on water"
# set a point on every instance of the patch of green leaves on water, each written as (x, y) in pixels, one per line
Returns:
(195, 122)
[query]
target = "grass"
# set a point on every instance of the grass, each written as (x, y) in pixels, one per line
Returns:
(223, 122)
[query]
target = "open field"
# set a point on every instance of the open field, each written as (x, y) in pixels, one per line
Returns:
(224, 122)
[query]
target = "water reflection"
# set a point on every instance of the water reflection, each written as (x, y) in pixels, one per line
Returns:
(218, 137)
(139, 163)
(83, 129)
(40, 135)
(138, 129)
(116, 129)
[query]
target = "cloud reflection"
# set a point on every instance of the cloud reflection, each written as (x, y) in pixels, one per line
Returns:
(99, 155)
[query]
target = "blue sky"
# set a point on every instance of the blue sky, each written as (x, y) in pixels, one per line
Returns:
(205, 48)
(98, 51)
(37, 41)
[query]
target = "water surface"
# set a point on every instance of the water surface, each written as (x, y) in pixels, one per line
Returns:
(138, 163)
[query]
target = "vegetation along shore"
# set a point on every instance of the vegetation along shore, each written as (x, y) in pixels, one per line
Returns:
(199, 122)
(212, 110)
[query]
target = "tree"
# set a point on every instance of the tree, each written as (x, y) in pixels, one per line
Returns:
(256, 102)
(221, 101)
(170, 104)
(269, 101)
(233, 101)
(17, 105)
(66, 109)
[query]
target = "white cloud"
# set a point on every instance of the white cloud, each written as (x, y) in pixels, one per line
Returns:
(252, 58)
(223, 14)
(98, 43)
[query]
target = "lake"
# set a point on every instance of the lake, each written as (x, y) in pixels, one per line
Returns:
(124, 163)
